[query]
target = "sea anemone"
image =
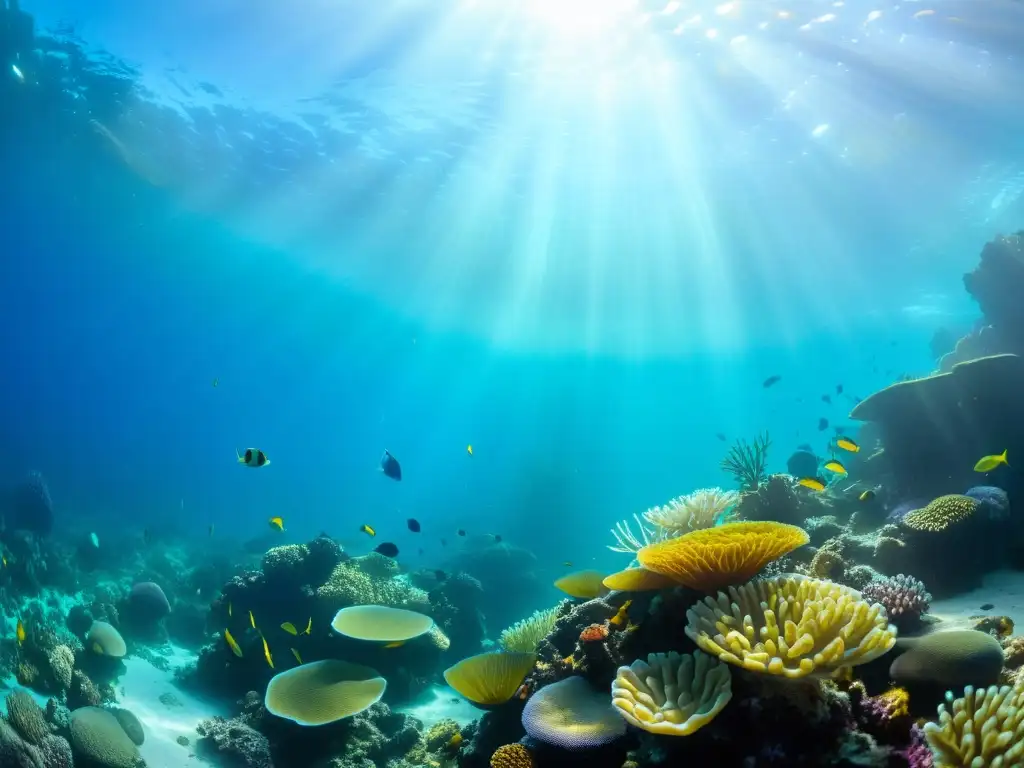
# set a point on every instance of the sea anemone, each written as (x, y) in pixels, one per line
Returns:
(704, 508)
(524, 636)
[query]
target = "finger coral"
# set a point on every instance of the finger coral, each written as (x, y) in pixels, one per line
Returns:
(791, 626)
(941, 513)
(672, 694)
(983, 728)
(704, 508)
(571, 715)
(512, 756)
(717, 557)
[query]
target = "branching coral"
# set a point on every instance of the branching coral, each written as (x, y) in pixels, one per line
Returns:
(791, 626)
(369, 581)
(941, 513)
(672, 694)
(904, 597)
(983, 728)
(748, 462)
(524, 636)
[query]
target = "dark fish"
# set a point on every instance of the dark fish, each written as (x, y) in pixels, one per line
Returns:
(440, 575)
(387, 549)
(461, 532)
(826, 399)
(414, 525)
(390, 467)
(497, 539)
(839, 389)
(987, 606)
(720, 436)
(771, 381)
(822, 424)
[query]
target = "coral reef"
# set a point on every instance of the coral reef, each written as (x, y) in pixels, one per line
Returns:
(904, 597)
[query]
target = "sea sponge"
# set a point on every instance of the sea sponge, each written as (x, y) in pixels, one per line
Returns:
(131, 724)
(904, 597)
(983, 728)
(97, 736)
(524, 636)
(704, 508)
(713, 558)
(941, 513)
(791, 626)
(585, 585)
(27, 717)
(62, 664)
(672, 694)
(490, 679)
(953, 659)
(103, 639)
(512, 756)
(148, 601)
(570, 714)
(380, 623)
(637, 580)
(322, 692)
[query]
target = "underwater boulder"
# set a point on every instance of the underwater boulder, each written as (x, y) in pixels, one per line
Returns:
(147, 602)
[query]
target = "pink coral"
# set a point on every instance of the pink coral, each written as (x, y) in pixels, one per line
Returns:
(917, 754)
(905, 598)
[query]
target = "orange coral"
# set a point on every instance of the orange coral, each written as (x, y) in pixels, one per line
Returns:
(715, 558)
(594, 633)
(512, 756)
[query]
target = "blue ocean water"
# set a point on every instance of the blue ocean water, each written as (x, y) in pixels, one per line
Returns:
(575, 236)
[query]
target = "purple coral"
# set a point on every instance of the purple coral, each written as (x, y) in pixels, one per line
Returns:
(918, 755)
(992, 500)
(905, 598)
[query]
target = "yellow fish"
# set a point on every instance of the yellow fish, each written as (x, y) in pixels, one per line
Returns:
(367, 530)
(277, 523)
(229, 610)
(235, 649)
(621, 616)
(289, 628)
(97, 649)
(988, 463)
(847, 444)
(4, 559)
(455, 742)
(296, 655)
(835, 466)
(252, 620)
(469, 449)
(266, 652)
(20, 632)
(309, 627)
(814, 483)
(868, 495)
(397, 644)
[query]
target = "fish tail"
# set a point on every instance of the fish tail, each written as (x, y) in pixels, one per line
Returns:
(1003, 457)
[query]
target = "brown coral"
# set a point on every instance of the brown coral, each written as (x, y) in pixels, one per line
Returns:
(714, 558)
(827, 563)
(512, 756)
(941, 513)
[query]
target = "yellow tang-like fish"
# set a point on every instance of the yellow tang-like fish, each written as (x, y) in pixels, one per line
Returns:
(296, 655)
(235, 649)
(252, 620)
(868, 495)
(289, 628)
(277, 523)
(847, 444)
(367, 530)
(266, 652)
(309, 627)
(835, 466)
(814, 483)
(469, 449)
(988, 463)
(229, 610)
(621, 617)
(20, 630)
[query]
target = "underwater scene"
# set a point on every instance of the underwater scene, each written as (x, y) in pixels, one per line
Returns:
(511, 383)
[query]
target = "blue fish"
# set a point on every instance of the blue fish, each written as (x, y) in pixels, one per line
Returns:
(389, 466)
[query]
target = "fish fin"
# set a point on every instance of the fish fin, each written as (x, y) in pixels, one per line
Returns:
(1003, 457)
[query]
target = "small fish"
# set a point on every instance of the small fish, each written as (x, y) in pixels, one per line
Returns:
(211, 529)
(621, 617)
(444, 543)
(720, 436)
(469, 449)
(390, 467)
(414, 525)
(309, 627)
(235, 649)
(835, 466)
(229, 610)
(252, 620)
(814, 483)
(216, 382)
(289, 628)
(368, 530)
(868, 495)
(95, 540)
(20, 632)
(3, 559)
(396, 644)
(455, 742)
(822, 424)
(847, 444)
(827, 399)
(987, 606)
(440, 575)
(567, 564)
(988, 463)
(277, 523)
(497, 538)
(266, 652)
(18, 74)
(253, 457)
(461, 532)
(771, 381)
(296, 655)
(387, 549)
(839, 389)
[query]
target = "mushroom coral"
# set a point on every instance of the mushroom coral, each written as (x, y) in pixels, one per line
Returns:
(570, 714)
(490, 679)
(380, 623)
(103, 639)
(983, 728)
(791, 626)
(712, 558)
(672, 694)
(322, 692)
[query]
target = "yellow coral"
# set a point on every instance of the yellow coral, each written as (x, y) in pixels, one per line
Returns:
(941, 513)
(512, 756)
(713, 558)
(672, 694)
(896, 702)
(983, 728)
(791, 626)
